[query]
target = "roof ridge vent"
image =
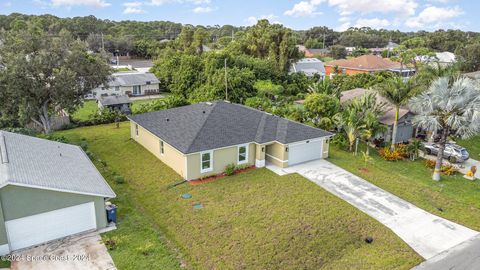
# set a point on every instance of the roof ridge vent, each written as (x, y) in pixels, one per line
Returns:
(3, 149)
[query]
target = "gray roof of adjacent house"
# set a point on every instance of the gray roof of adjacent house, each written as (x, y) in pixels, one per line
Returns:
(38, 163)
(309, 66)
(131, 79)
(114, 100)
(388, 117)
(206, 126)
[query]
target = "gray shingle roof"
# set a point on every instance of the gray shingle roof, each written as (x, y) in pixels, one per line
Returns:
(114, 100)
(206, 126)
(131, 79)
(34, 162)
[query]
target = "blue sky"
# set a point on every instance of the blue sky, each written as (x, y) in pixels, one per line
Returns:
(406, 15)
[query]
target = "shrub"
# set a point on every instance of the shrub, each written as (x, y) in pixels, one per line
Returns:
(119, 179)
(230, 169)
(110, 243)
(447, 169)
(390, 155)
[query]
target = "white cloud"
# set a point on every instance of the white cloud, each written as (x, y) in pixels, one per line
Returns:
(400, 7)
(252, 20)
(433, 16)
(71, 3)
(304, 8)
(344, 19)
(133, 8)
(202, 10)
(375, 23)
(163, 2)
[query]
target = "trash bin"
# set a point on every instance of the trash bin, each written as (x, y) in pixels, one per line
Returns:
(111, 213)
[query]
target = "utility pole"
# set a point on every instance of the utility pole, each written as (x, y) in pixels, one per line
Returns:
(226, 81)
(323, 40)
(103, 43)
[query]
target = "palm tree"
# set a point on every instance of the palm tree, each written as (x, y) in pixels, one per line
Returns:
(350, 120)
(453, 108)
(325, 86)
(398, 92)
(372, 128)
(427, 73)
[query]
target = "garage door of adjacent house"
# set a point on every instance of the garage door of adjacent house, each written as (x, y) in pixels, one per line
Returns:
(32, 230)
(305, 151)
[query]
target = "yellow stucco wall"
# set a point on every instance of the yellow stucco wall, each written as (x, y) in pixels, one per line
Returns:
(277, 150)
(325, 148)
(171, 156)
(221, 158)
(259, 154)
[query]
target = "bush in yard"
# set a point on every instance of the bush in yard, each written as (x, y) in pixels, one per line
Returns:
(230, 169)
(110, 243)
(447, 169)
(390, 155)
(119, 179)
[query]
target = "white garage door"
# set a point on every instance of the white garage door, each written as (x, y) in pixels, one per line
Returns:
(303, 152)
(37, 229)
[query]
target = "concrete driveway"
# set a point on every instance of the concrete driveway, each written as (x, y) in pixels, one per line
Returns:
(426, 233)
(76, 252)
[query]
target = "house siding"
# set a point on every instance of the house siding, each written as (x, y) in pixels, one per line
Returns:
(3, 231)
(277, 154)
(18, 202)
(171, 157)
(221, 158)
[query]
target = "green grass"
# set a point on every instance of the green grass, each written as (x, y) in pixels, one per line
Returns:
(82, 114)
(90, 106)
(472, 145)
(4, 263)
(254, 220)
(412, 181)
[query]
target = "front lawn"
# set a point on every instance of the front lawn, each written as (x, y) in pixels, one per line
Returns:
(472, 145)
(458, 198)
(254, 220)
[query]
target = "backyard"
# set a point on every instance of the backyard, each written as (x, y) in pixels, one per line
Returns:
(454, 197)
(254, 220)
(90, 107)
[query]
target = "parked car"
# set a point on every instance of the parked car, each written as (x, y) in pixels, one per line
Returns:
(452, 152)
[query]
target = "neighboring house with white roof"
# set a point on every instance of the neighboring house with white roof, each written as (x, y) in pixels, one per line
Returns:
(48, 190)
(443, 58)
(309, 66)
(127, 83)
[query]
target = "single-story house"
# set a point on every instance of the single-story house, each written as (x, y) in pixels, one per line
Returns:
(309, 66)
(389, 47)
(48, 190)
(366, 64)
(317, 52)
(200, 140)
(405, 128)
(128, 83)
(120, 103)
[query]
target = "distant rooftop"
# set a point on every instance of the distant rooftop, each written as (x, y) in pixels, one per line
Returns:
(309, 66)
(366, 62)
(132, 78)
(114, 100)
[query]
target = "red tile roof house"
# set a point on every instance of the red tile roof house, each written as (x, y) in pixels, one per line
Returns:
(366, 64)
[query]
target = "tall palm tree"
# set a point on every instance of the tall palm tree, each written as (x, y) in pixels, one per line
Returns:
(453, 108)
(398, 92)
(350, 120)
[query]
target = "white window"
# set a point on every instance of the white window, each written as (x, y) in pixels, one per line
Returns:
(137, 90)
(242, 154)
(136, 130)
(162, 148)
(206, 161)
